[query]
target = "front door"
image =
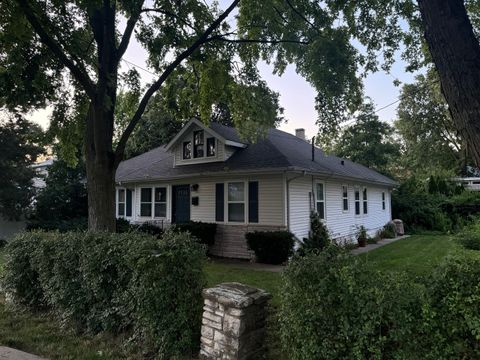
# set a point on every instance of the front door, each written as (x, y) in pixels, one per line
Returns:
(181, 203)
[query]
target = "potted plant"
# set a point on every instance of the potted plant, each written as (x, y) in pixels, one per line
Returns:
(362, 236)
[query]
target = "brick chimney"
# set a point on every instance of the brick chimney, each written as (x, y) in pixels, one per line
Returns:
(300, 133)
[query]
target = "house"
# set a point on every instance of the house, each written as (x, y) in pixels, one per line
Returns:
(210, 174)
(470, 183)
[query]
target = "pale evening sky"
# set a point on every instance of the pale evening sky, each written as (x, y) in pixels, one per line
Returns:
(296, 95)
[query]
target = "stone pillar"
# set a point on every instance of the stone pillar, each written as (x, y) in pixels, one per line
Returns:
(233, 324)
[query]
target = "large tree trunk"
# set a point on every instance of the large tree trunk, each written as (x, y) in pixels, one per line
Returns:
(101, 167)
(456, 53)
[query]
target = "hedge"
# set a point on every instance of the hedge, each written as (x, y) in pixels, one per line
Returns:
(204, 232)
(119, 283)
(271, 247)
(334, 306)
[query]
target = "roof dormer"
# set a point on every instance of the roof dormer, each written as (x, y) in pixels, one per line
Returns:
(197, 143)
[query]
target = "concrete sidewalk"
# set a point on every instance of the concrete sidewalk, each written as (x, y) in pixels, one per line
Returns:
(12, 354)
(370, 247)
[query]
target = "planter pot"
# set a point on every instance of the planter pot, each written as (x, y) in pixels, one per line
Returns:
(362, 242)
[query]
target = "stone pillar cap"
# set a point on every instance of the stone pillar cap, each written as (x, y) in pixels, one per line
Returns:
(236, 295)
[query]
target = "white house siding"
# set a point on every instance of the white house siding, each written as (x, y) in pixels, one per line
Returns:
(300, 189)
(342, 225)
(270, 193)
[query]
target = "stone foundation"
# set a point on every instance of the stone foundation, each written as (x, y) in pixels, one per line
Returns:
(230, 240)
(233, 324)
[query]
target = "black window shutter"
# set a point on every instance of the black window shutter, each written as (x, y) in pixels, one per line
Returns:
(219, 201)
(129, 202)
(253, 201)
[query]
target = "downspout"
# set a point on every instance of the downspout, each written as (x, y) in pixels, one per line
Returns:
(288, 195)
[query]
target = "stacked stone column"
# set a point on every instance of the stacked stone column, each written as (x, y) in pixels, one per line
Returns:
(233, 324)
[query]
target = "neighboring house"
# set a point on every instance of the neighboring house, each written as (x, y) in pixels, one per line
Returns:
(470, 183)
(209, 174)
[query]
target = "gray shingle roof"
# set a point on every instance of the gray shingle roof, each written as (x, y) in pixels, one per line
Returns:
(277, 151)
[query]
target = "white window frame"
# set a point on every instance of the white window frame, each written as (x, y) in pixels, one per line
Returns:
(151, 202)
(244, 202)
(344, 186)
(365, 200)
(384, 203)
(154, 202)
(323, 201)
(356, 190)
(124, 202)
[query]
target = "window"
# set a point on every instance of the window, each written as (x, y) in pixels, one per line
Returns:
(345, 197)
(121, 202)
(198, 144)
(187, 150)
(365, 202)
(211, 147)
(160, 202)
(320, 199)
(236, 202)
(146, 202)
(383, 201)
(357, 201)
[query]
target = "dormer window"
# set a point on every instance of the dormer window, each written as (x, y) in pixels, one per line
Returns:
(187, 150)
(211, 147)
(198, 144)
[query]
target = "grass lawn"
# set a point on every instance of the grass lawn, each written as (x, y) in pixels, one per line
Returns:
(39, 334)
(418, 254)
(219, 272)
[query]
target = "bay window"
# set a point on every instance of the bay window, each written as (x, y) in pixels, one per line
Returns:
(365, 201)
(357, 201)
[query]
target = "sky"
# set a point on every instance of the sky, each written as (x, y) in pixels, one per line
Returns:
(297, 97)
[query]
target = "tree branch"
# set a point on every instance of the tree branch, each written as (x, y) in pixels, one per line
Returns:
(166, 73)
(77, 70)
(302, 16)
(256, 41)
(132, 21)
(173, 15)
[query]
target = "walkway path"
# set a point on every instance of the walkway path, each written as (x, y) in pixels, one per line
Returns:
(381, 243)
(12, 354)
(244, 264)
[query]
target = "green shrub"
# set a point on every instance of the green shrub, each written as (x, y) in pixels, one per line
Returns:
(451, 314)
(318, 236)
(131, 282)
(149, 228)
(75, 224)
(123, 225)
(387, 232)
(334, 307)
(469, 237)
(3, 243)
(271, 247)
(205, 232)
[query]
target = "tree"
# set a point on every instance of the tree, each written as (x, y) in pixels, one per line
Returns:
(68, 54)
(64, 195)
(430, 141)
(20, 144)
(368, 141)
(455, 50)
